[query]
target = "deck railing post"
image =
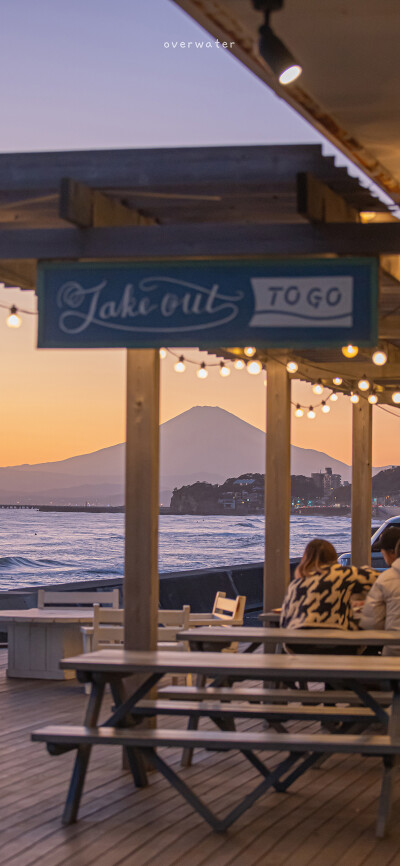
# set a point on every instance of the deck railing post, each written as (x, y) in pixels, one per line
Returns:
(277, 485)
(142, 499)
(361, 493)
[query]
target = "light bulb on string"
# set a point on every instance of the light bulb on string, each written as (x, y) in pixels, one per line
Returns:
(318, 388)
(14, 319)
(163, 354)
(298, 411)
(224, 370)
(379, 357)
(372, 398)
(355, 398)
(350, 351)
(292, 366)
(337, 380)
(333, 397)
(265, 381)
(325, 407)
(239, 364)
(311, 413)
(364, 384)
(254, 368)
(396, 397)
(202, 372)
(180, 365)
(250, 351)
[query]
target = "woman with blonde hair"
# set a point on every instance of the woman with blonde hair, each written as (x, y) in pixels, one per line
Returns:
(321, 592)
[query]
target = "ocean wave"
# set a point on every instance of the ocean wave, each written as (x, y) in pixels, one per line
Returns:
(12, 561)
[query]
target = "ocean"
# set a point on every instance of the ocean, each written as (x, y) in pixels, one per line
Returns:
(39, 548)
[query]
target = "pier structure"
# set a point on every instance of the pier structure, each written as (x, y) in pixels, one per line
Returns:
(200, 207)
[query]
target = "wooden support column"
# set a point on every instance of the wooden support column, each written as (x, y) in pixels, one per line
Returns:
(361, 497)
(142, 500)
(277, 486)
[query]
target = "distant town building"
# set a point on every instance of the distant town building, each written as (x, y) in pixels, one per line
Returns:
(326, 481)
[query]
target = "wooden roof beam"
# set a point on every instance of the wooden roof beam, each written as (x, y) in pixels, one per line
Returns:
(86, 207)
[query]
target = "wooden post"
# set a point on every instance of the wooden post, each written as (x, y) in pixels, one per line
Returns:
(277, 486)
(142, 500)
(361, 494)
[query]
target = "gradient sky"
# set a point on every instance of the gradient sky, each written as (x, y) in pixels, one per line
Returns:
(95, 74)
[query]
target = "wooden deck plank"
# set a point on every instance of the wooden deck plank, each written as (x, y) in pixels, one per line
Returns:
(327, 817)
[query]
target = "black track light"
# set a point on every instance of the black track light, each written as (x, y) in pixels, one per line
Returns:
(272, 49)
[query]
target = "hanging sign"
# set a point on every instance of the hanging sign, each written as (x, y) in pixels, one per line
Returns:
(284, 303)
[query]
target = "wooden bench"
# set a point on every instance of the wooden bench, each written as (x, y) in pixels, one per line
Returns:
(304, 750)
(303, 696)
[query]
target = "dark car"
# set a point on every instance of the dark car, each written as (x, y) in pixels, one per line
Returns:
(377, 560)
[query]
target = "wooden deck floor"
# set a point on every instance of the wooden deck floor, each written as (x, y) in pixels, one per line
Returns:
(326, 819)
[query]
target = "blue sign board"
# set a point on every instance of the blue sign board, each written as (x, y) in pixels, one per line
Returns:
(258, 302)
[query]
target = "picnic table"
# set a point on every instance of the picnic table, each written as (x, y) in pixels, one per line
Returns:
(302, 750)
(39, 637)
(218, 638)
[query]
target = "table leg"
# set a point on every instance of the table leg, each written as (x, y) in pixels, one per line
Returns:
(83, 755)
(135, 759)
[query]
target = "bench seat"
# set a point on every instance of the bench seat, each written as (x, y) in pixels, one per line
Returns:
(286, 712)
(278, 696)
(218, 740)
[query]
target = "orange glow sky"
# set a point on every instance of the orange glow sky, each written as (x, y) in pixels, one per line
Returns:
(56, 404)
(95, 74)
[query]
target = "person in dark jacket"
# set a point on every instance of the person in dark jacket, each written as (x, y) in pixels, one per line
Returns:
(382, 607)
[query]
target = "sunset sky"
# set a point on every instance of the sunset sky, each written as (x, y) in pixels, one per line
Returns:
(95, 74)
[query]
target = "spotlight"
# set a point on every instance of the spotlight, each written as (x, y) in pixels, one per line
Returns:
(379, 357)
(298, 411)
(292, 367)
(273, 51)
(254, 368)
(350, 351)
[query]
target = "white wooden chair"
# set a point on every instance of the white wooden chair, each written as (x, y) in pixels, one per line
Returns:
(50, 598)
(108, 628)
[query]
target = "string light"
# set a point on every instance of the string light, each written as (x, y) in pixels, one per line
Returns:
(333, 397)
(318, 387)
(250, 351)
(239, 364)
(337, 380)
(13, 319)
(292, 367)
(298, 411)
(355, 398)
(202, 373)
(180, 366)
(163, 354)
(364, 384)
(254, 368)
(379, 357)
(349, 351)
(325, 407)
(224, 370)
(372, 398)
(311, 413)
(396, 397)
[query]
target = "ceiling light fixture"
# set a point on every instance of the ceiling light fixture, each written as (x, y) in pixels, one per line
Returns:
(272, 49)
